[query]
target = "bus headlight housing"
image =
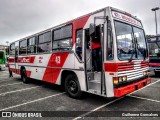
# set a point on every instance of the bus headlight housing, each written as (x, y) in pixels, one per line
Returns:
(117, 80)
(124, 78)
(145, 73)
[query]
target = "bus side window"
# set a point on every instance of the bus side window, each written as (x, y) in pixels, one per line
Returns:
(110, 46)
(12, 49)
(23, 47)
(44, 43)
(79, 36)
(62, 38)
(31, 49)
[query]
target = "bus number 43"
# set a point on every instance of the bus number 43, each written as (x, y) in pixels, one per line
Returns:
(58, 60)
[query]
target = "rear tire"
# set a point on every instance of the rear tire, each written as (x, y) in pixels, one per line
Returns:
(24, 76)
(72, 86)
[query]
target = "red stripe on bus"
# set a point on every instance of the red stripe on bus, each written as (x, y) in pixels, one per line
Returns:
(26, 59)
(115, 67)
(57, 61)
(28, 73)
(144, 64)
(154, 64)
(11, 60)
(78, 24)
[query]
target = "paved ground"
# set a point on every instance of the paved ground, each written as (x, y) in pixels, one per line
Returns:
(40, 96)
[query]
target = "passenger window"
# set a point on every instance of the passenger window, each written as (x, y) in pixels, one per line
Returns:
(12, 49)
(79, 38)
(31, 45)
(23, 47)
(62, 38)
(44, 43)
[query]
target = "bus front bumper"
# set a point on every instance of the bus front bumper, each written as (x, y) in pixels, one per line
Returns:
(118, 92)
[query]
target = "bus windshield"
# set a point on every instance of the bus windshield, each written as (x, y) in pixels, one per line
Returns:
(130, 41)
(154, 48)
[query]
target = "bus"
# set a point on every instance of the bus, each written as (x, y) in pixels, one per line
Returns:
(3, 60)
(63, 55)
(154, 54)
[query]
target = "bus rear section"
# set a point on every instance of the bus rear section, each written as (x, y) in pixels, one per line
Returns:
(103, 53)
(154, 54)
(2, 60)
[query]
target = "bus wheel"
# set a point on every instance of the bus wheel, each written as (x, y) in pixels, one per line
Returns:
(24, 76)
(157, 73)
(72, 86)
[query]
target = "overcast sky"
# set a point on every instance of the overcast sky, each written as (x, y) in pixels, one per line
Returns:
(20, 18)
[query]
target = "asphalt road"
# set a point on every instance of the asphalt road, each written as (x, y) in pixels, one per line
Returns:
(40, 96)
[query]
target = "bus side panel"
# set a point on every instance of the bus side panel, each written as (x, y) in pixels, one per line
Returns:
(55, 65)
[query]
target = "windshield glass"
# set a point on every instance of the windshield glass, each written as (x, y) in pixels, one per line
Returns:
(131, 42)
(154, 48)
(124, 41)
(140, 42)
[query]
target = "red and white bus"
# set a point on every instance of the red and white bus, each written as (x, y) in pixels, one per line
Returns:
(154, 54)
(63, 55)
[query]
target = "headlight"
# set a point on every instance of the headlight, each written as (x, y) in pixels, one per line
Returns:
(145, 73)
(121, 79)
(124, 78)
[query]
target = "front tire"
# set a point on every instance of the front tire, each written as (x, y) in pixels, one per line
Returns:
(72, 86)
(24, 76)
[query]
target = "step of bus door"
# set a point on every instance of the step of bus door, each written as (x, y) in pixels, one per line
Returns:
(94, 85)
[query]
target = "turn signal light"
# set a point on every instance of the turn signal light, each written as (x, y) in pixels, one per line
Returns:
(115, 80)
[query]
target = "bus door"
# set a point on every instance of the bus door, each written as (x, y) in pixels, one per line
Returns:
(16, 57)
(94, 59)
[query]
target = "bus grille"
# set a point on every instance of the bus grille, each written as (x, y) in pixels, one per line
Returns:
(132, 71)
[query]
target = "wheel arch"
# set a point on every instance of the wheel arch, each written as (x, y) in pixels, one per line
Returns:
(64, 75)
(22, 67)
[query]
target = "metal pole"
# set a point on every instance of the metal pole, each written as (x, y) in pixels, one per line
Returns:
(154, 9)
(156, 22)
